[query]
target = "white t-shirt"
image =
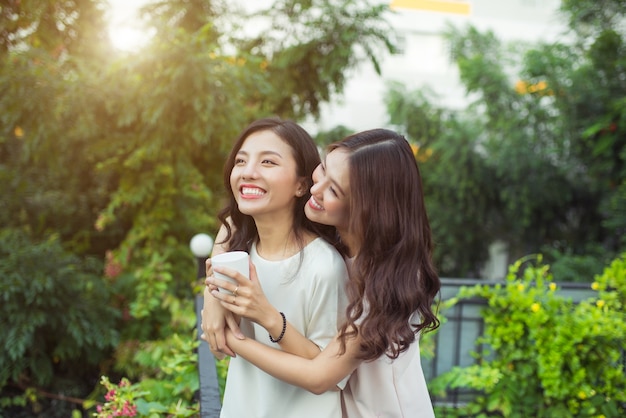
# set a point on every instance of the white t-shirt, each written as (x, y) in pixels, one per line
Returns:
(313, 300)
(386, 388)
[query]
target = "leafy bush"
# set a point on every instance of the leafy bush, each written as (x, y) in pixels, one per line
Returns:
(566, 266)
(57, 325)
(166, 371)
(547, 356)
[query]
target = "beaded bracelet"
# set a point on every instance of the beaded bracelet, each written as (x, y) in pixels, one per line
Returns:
(282, 334)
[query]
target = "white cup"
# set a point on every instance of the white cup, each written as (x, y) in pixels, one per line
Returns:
(236, 260)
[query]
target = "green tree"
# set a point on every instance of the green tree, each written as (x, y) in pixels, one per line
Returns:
(459, 190)
(540, 165)
(324, 138)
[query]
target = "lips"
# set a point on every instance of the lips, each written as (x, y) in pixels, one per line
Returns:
(314, 204)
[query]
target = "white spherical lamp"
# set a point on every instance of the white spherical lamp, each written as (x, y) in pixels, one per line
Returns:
(201, 245)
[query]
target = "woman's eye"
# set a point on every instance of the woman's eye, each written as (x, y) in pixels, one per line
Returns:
(239, 161)
(268, 162)
(332, 190)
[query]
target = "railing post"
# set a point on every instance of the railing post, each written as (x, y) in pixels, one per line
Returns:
(210, 404)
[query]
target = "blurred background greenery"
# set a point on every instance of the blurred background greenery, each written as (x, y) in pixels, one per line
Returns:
(110, 161)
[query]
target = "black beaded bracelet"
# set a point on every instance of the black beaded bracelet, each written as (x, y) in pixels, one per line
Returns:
(282, 334)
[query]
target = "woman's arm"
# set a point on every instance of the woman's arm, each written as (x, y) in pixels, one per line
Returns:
(250, 302)
(316, 375)
(214, 317)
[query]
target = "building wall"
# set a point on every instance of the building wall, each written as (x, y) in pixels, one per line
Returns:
(425, 59)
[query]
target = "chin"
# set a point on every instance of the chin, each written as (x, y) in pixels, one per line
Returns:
(312, 214)
(247, 210)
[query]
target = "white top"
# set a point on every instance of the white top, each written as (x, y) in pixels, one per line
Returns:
(312, 299)
(386, 388)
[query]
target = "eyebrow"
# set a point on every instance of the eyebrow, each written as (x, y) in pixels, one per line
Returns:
(333, 181)
(262, 153)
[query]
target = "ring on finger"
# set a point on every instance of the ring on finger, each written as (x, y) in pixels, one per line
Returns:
(235, 291)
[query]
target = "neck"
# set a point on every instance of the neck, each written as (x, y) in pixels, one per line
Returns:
(350, 242)
(277, 241)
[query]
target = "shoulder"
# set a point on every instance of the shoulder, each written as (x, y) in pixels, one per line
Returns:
(324, 260)
(319, 247)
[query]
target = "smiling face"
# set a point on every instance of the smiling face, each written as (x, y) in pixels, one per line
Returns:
(330, 195)
(264, 177)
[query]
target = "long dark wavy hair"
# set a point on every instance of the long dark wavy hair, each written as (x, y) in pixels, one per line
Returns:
(243, 232)
(393, 275)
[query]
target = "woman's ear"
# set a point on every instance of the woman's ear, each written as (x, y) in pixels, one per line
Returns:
(303, 186)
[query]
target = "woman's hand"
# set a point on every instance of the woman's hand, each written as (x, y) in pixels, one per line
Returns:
(214, 321)
(247, 298)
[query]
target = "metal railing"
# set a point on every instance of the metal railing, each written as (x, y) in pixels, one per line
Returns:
(455, 342)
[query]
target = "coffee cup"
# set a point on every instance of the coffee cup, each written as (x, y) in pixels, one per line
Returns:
(236, 260)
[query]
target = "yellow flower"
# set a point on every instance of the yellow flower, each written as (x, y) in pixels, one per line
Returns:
(541, 85)
(18, 132)
(535, 307)
(521, 87)
(582, 395)
(552, 286)
(520, 287)
(595, 286)
(421, 155)
(600, 303)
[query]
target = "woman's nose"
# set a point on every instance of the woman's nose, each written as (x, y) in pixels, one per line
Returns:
(318, 185)
(317, 176)
(249, 171)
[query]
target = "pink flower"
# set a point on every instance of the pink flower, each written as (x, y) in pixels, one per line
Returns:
(110, 395)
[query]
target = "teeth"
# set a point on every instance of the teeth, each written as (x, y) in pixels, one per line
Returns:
(316, 204)
(252, 190)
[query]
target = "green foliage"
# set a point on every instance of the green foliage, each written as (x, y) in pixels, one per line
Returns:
(455, 176)
(545, 355)
(222, 371)
(325, 138)
(57, 324)
(167, 375)
(119, 399)
(569, 267)
(537, 159)
(309, 45)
